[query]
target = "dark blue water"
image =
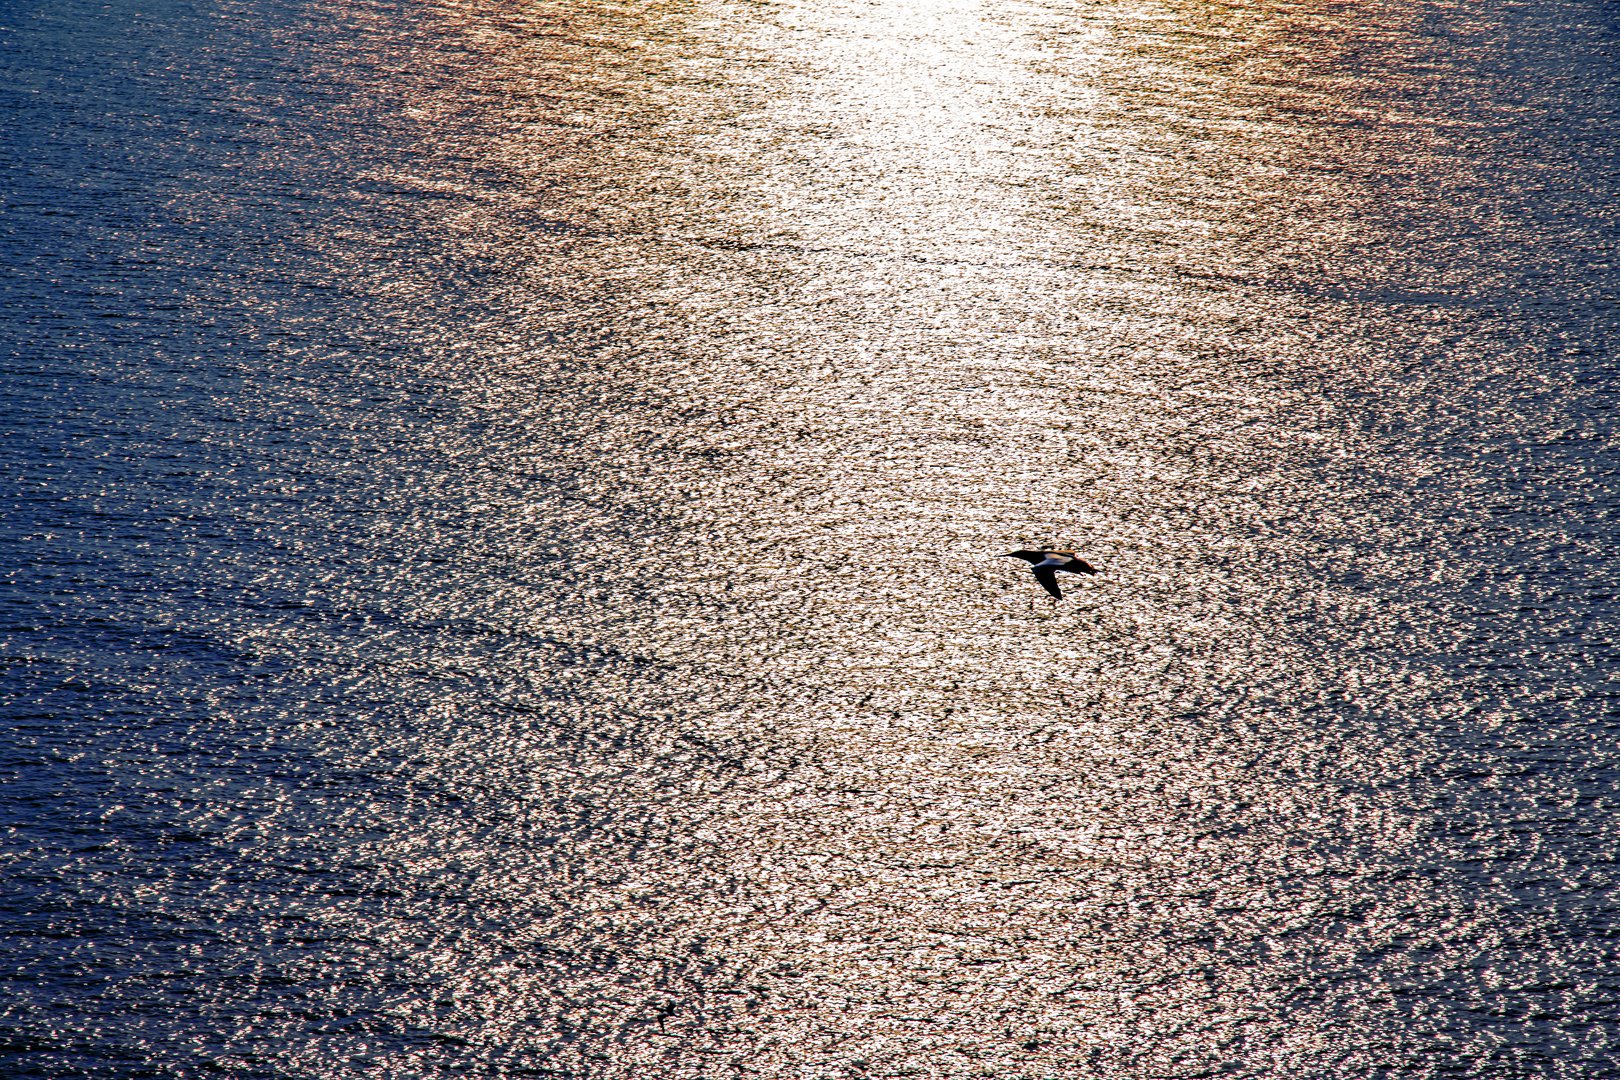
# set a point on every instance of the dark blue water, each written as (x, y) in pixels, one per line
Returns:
(500, 516)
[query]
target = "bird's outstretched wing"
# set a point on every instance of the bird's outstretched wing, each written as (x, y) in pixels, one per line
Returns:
(1046, 574)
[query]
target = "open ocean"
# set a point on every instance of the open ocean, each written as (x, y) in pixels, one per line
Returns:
(500, 501)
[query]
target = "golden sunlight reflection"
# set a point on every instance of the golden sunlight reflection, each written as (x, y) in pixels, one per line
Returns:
(891, 139)
(899, 287)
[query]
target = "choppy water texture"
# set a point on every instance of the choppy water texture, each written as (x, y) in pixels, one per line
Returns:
(501, 503)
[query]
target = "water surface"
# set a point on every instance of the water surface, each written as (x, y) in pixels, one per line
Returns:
(501, 503)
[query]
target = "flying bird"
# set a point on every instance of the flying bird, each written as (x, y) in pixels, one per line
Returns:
(1046, 564)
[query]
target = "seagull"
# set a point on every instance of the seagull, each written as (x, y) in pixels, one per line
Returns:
(1046, 564)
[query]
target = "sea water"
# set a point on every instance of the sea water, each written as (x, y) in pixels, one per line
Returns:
(502, 500)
